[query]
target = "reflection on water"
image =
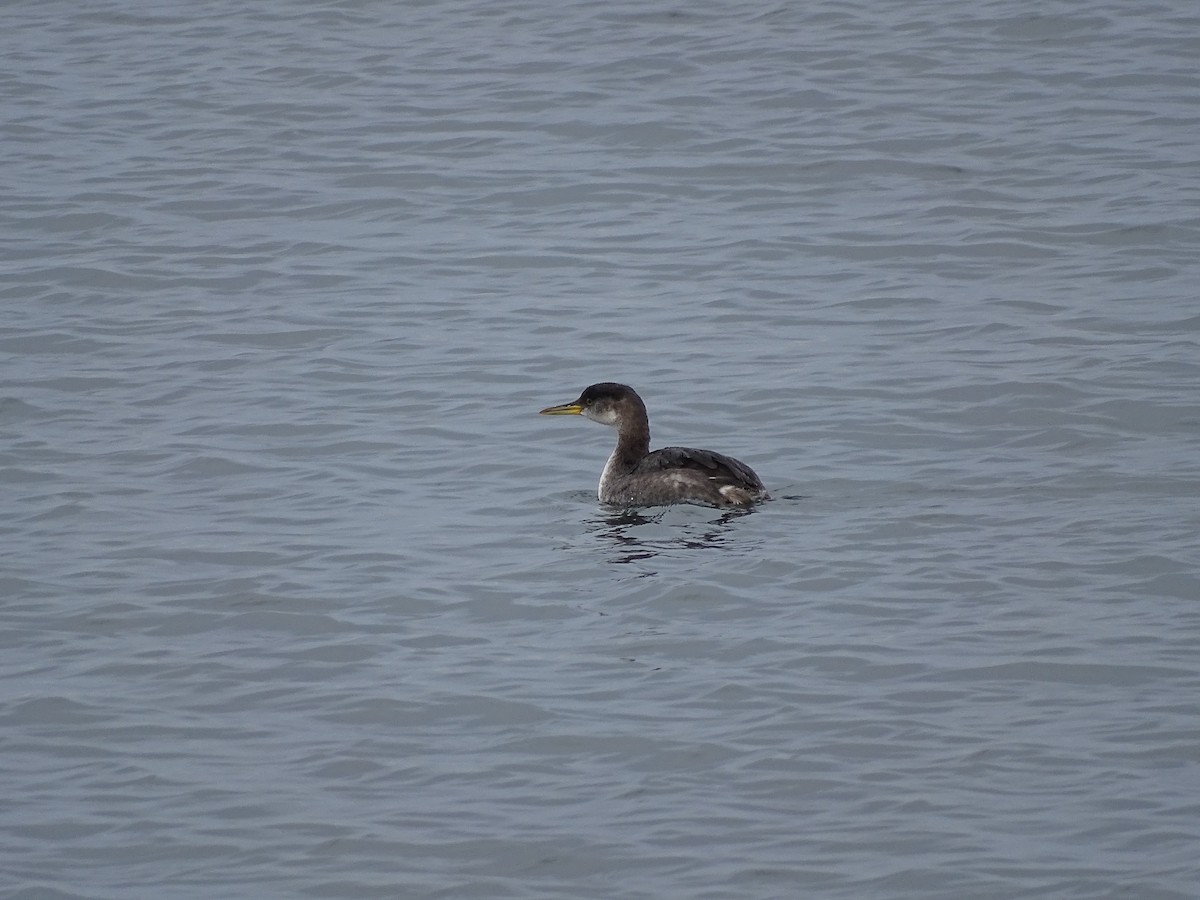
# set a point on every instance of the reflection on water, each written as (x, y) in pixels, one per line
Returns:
(638, 535)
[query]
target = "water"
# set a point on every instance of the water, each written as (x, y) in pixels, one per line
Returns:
(301, 598)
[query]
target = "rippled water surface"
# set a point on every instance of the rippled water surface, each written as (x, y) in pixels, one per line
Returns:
(300, 598)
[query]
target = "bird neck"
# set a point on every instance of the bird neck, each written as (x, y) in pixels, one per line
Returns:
(633, 443)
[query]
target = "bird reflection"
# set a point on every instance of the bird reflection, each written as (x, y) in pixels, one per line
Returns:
(633, 537)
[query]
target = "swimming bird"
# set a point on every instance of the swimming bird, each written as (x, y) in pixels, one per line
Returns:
(633, 476)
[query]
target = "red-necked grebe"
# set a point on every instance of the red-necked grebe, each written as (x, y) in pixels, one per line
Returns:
(633, 476)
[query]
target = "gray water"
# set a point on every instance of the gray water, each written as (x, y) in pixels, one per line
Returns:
(300, 598)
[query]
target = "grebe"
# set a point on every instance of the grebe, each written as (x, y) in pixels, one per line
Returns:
(633, 476)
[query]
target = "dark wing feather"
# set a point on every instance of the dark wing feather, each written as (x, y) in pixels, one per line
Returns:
(720, 468)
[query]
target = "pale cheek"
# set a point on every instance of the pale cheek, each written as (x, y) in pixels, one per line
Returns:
(604, 418)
